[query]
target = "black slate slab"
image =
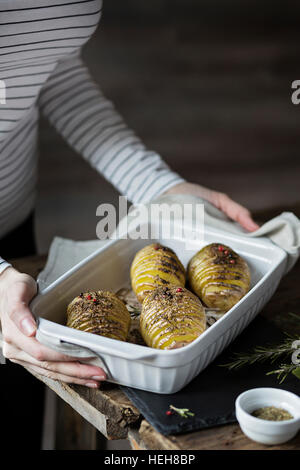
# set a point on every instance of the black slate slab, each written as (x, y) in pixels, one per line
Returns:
(211, 395)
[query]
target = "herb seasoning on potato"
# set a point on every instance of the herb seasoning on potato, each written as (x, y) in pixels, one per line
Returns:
(171, 317)
(219, 276)
(101, 313)
(153, 266)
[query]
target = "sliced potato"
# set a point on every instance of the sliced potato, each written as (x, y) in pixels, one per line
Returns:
(153, 266)
(171, 317)
(101, 313)
(219, 276)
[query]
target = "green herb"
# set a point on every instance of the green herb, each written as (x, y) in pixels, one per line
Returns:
(271, 413)
(294, 316)
(134, 311)
(284, 370)
(269, 353)
(184, 412)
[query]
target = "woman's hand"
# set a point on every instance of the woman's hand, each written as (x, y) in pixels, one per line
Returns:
(19, 328)
(223, 202)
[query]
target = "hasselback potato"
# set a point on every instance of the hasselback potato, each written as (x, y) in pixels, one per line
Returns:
(171, 317)
(219, 276)
(155, 265)
(101, 313)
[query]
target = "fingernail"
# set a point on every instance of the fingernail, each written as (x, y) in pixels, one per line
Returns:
(98, 377)
(92, 385)
(28, 326)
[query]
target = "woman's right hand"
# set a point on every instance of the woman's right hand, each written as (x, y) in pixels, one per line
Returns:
(19, 328)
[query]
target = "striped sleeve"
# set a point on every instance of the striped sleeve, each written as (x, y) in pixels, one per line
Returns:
(74, 104)
(3, 265)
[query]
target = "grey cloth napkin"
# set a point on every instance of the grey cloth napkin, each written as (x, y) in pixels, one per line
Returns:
(283, 230)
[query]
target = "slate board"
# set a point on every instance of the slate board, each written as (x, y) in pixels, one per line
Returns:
(211, 395)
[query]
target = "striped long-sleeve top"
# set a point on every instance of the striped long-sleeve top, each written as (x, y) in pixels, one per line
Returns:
(41, 71)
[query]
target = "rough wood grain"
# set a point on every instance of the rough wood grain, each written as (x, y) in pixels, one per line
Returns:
(229, 437)
(73, 432)
(109, 411)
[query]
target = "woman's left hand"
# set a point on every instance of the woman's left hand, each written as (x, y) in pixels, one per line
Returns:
(223, 202)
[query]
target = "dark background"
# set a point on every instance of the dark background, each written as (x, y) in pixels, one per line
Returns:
(207, 83)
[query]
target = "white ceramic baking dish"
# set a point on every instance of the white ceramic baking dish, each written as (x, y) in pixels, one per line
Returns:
(139, 366)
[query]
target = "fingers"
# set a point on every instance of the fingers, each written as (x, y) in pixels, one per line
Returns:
(235, 211)
(13, 333)
(57, 376)
(31, 346)
(53, 369)
(20, 345)
(223, 202)
(245, 220)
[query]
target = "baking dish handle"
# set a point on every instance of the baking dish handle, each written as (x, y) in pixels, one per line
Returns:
(82, 352)
(73, 350)
(64, 347)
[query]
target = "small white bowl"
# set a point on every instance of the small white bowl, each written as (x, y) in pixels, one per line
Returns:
(261, 430)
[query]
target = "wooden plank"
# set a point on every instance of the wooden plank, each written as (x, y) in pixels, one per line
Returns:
(135, 441)
(109, 411)
(49, 420)
(229, 437)
(73, 432)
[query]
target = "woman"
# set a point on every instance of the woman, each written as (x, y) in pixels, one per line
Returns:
(40, 63)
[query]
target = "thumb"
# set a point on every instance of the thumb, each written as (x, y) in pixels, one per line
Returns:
(19, 311)
(23, 319)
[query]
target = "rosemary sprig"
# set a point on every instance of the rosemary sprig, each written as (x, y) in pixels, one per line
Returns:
(296, 372)
(134, 311)
(284, 370)
(262, 353)
(271, 353)
(184, 412)
(295, 316)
